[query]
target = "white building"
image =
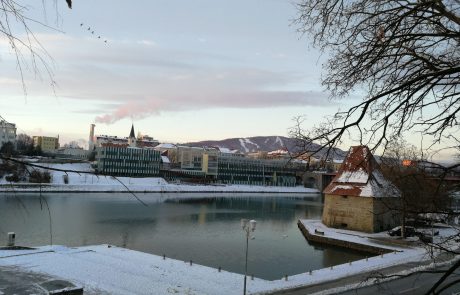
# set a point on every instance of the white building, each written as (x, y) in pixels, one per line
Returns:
(7, 132)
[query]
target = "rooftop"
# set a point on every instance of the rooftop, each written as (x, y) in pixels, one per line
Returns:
(360, 176)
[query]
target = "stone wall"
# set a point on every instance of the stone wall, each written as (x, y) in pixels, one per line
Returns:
(349, 212)
(360, 213)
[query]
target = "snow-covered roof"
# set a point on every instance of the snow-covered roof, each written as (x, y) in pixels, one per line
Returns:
(166, 146)
(165, 159)
(224, 150)
(282, 151)
(360, 176)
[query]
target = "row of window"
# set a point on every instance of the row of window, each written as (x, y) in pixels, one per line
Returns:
(290, 183)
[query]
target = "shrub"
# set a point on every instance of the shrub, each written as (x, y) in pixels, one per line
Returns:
(12, 178)
(37, 176)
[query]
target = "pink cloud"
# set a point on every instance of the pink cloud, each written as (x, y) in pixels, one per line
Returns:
(262, 99)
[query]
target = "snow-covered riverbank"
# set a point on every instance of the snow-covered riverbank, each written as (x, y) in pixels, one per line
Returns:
(83, 182)
(114, 270)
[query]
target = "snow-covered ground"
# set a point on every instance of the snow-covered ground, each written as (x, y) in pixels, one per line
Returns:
(122, 271)
(82, 182)
(379, 240)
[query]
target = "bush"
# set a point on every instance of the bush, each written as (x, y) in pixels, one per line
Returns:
(37, 176)
(12, 178)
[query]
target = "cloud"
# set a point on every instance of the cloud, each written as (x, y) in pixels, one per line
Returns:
(141, 78)
(263, 99)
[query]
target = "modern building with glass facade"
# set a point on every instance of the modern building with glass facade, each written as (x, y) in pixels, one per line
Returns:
(128, 161)
(214, 165)
(242, 170)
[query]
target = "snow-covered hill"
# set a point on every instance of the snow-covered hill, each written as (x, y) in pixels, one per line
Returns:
(259, 143)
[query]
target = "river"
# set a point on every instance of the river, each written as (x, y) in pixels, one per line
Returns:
(202, 228)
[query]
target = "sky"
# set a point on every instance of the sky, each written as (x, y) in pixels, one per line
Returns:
(179, 70)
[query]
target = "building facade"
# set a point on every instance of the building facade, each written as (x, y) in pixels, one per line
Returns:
(217, 165)
(46, 143)
(242, 170)
(189, 158)
(359, 197)
(128, 161)
(210, 162)
(7, 132)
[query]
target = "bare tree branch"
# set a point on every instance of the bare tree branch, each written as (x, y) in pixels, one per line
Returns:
(404, 57)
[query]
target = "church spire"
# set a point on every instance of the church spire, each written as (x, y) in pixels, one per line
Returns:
(132, 137)
(131, 134)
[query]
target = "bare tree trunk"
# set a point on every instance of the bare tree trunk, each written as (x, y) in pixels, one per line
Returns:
(403, 225)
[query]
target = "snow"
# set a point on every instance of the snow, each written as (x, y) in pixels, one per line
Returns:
(379, 280)
(251, 142)
(369, 239)
(278, 152)
(166, 146)
(122, 271)
(367, 191)
(243, 145)
(373, 185)
(279, 141)
(337, 187)
(83, 182)
(359, 176)
(225, 150)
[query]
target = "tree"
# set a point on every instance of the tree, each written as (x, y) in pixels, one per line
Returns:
(401, 56)
(25, 144)
(7, 149)
(15, 28)
(424, 195)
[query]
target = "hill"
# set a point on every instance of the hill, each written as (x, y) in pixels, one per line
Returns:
(260, 143)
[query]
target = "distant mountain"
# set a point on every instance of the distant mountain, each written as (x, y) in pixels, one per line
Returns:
(260, 143)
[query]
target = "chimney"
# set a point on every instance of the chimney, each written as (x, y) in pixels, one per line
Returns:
(91, 137)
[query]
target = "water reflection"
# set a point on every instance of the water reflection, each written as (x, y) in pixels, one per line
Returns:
(205, 229)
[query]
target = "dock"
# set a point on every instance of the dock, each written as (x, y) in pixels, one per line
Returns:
(375, 244)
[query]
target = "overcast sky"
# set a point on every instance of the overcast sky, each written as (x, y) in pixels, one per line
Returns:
(180, 70)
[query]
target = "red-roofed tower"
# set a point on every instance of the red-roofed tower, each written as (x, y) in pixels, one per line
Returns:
(359, 197)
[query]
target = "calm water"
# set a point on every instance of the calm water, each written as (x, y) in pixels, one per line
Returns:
(203, 229)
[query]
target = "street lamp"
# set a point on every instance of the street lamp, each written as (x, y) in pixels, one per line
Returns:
(248, 227)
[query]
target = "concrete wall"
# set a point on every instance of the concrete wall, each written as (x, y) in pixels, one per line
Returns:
(360, 213)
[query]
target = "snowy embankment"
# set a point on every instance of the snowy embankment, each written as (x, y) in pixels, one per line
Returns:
(83, 182)
(121, 271)
(115, 270)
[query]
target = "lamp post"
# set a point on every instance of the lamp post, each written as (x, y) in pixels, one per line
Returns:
(248, 227)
